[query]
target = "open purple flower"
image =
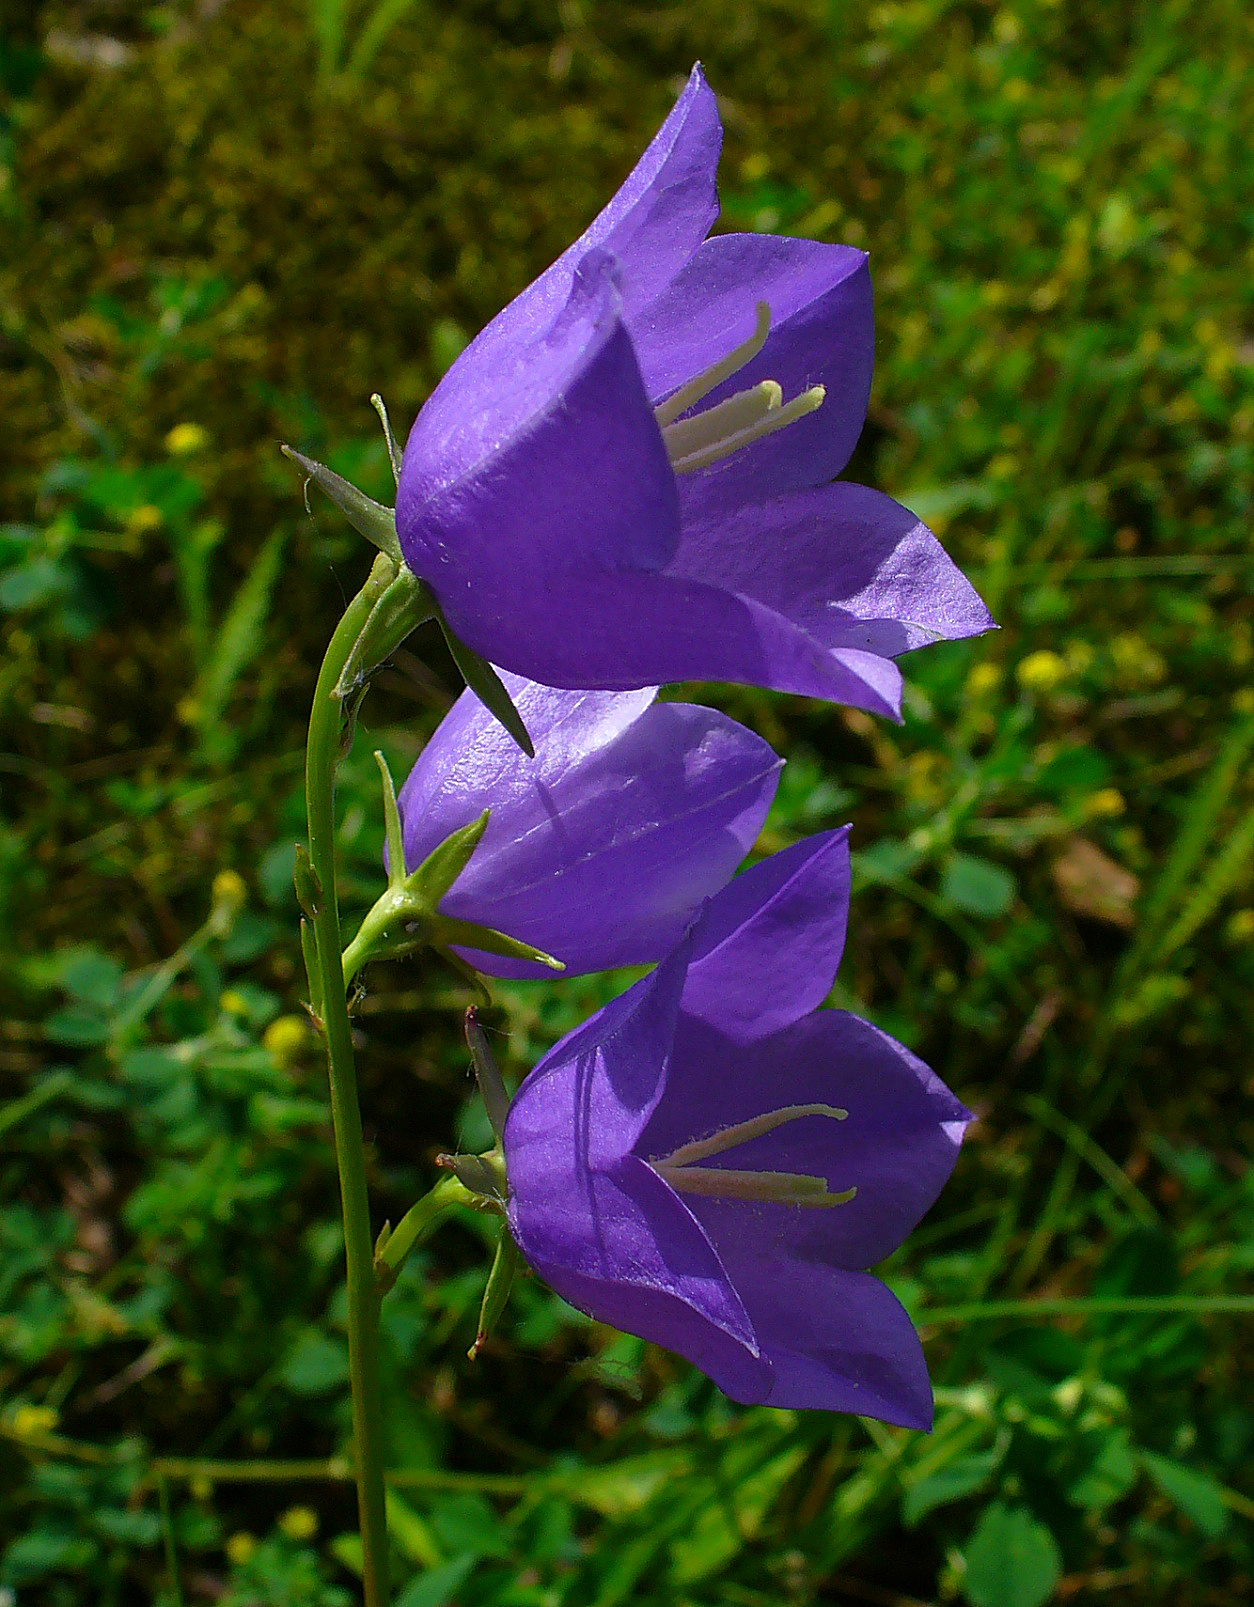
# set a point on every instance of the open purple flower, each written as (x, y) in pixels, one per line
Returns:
(624, 480)
(712, 1162)
(601, 849)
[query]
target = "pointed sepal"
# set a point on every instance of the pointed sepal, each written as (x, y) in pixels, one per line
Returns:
(488, 687)
(505, 1265)
(394, 451)
(443, 865)
(466, 935)
(368, 517)
(487, 1073)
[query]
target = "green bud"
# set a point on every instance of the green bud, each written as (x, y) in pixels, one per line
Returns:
(307, 883)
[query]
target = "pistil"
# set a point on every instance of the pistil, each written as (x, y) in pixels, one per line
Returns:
(801, 1189)
(729, 426)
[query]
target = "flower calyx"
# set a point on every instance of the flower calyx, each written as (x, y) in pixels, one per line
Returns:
(683, 1171)
(482, 1177)
(406, 916)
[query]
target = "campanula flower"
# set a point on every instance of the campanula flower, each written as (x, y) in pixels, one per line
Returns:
(601, 849)
(625, 479)
(712, 1162)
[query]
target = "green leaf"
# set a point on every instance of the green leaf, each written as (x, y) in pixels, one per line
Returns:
(1108, 1477)
(78, 1025)
(1012, 1560)
(961, 1478)
(435, 1587)
(977, 886)
(239, 640)
(1196, 1494)
(316, 1364)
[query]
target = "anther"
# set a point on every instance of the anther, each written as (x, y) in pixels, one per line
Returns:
(690, 394)
(778, 418)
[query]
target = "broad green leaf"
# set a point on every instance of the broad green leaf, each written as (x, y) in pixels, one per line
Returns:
(435, 1587)
(1194, 1493)
(961, 1478)
(977, 886)
(1012, 1560)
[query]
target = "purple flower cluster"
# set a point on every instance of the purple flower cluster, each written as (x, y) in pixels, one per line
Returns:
(627, 480)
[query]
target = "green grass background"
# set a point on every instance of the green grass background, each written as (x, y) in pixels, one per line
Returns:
(248, 216)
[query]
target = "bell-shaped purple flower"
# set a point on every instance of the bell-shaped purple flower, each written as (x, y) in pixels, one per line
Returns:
(712, 1162)
(625, 479)
(601, 849)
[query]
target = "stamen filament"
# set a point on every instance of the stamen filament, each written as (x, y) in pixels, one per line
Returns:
(768, 1188)
(690, 394)
(732, 417)
(701, 1149)
(777, 419)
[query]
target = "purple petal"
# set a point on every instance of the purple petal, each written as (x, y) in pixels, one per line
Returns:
(766, 950)
(597, 1223)
(822, 333)
(601, 849)
(897, 1146)
(494, 505)
(848, 565)
(836, 1341)
(633, 629)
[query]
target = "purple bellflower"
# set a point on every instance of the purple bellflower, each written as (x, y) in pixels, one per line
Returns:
(601, 849)
(624, 480)
(712, 1162)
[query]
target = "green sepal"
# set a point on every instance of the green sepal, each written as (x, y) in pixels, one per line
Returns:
(487, 1073)
(482, 1176)
(309, 951)
(392, 833)
(445, 932)
(505, 1265)
(370, 518)
(443, 865)
(307, 883)
(404, 606)
(488, 687)
(394, 451)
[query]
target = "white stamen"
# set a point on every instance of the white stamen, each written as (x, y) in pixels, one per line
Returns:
(778, 418)
(690, 394)
(729, 1137)
(732, 417)
(772, 1188)
(769, 1188)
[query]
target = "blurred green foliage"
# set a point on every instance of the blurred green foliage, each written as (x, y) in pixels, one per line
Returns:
(225, 225)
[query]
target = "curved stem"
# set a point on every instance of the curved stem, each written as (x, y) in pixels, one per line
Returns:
(322, 756)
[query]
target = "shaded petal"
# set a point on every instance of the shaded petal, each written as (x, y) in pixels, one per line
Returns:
(494, 505)
(600, 849)
(897, 1146)
(822, 333)
(766, 949)
(848, 565)
(633, 628)
(595, 1222)
(836, 1341)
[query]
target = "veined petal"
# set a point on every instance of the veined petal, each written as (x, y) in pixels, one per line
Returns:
(849, 565)
(766, 949)
(897, 1146)
(601, 849)
(633, 628)
(835, 1341)
(822, 333)
(495, 503)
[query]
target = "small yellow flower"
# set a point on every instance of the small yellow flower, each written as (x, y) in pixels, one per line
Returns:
(1243, 701)
(201, 1488)
(140, 520)
(1106, 803)
(241, 1547)
(233, 1003)
(299, 1523)
(31, 1421)
(1041, 671)
(286, 1038)
(983, 679)
(185, 439)
(229, 887)
(1240, 927)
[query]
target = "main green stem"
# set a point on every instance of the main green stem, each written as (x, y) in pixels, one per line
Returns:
(321, 759)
